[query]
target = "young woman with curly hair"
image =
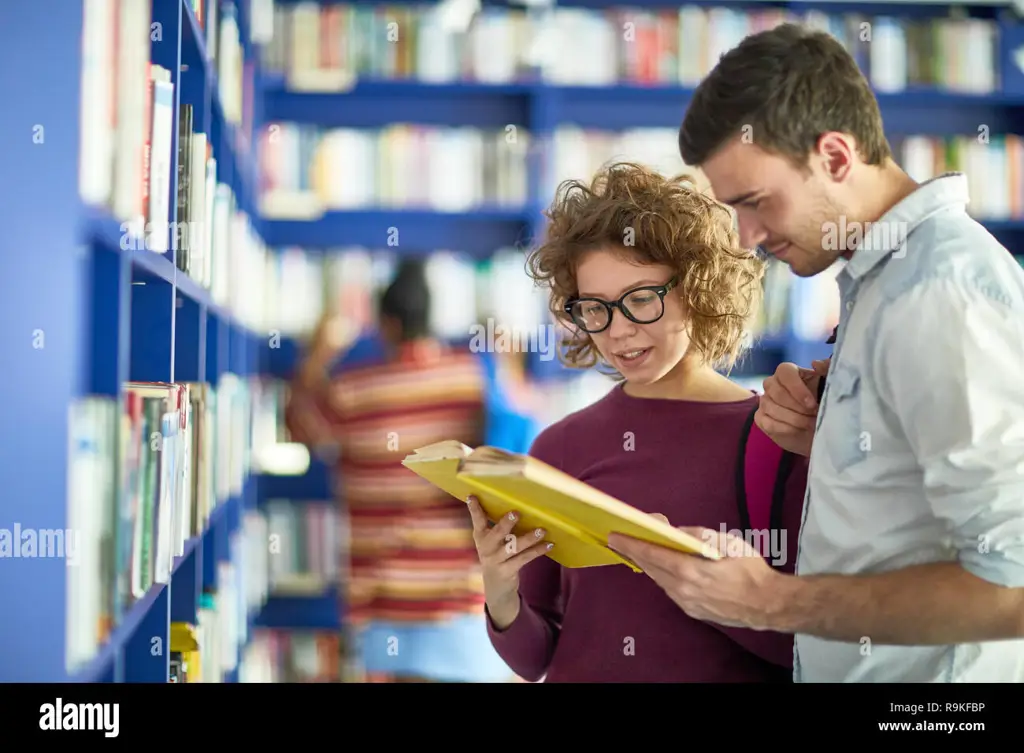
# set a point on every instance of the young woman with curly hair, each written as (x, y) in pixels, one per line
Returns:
(648, 273)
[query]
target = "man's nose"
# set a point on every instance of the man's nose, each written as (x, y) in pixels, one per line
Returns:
(752, 233)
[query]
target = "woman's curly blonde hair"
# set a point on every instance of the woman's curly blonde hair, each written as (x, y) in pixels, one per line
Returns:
(659, 220)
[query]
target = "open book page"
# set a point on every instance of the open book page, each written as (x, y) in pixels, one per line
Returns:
(447, 450)
(490, 460)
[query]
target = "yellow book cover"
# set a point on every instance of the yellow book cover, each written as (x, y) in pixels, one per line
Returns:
(185, 643)
(577, 517)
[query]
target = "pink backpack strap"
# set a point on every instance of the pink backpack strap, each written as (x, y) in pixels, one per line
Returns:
(762, 467)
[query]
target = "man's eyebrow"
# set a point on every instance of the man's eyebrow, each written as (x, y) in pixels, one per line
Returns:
(637, 284)
(739, 199)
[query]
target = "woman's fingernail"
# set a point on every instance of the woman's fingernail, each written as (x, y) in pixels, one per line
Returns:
(539, 532)
(511, 516)
(549, 546)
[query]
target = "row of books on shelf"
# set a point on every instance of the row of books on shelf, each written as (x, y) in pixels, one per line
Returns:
(217, 244)
(681, 47)
(235, 76)
(127, 107)
(208, 650)
(293, 656)
(123, 99)
(302, 546)
(329, 46)
(306, 544)
(127, 154)
(307, 170)
(146, 473)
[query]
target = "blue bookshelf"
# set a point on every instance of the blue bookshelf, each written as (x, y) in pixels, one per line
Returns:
(318, 611)
(478, 233)
(105, 310)
(290, 610)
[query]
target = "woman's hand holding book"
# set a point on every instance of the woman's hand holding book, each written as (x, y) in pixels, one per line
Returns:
(502, 555)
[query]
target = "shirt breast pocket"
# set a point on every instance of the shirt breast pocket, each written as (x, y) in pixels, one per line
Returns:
(848, 444)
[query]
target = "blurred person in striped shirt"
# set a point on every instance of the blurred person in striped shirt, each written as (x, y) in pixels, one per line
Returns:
(413, 599)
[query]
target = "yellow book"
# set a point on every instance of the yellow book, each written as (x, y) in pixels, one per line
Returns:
(577, 517)
(185, 645)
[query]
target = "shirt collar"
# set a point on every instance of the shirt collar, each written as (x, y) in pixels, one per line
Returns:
(889, 234)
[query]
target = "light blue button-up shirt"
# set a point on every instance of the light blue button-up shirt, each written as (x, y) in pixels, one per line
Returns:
(918, 456)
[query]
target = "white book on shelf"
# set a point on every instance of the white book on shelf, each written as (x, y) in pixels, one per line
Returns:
(983, 49)
(184, 506)
(491, 39)
(211, 24)
(888, 55)
(918, 158)
(692, 25)
(229, 65)
(97, 113)
(236, 289)
(90, 501)
(161, 143)
(225, 606)
(165, 529)
(980, 185)
(261, 21)
(349, 156)
(304, 47)
(205, 271)
(437, 59)
(996, 163)
(454, 174)
(451, 315)
(197, 206)
(132, 85)
(221, 242)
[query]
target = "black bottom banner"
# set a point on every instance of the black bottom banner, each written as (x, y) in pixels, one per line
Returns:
(269, 714)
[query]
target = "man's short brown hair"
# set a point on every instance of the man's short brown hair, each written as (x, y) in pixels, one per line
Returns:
(658, 220)
(787, 85)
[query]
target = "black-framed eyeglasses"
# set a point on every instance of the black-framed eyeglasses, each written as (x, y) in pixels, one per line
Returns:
(644, 305)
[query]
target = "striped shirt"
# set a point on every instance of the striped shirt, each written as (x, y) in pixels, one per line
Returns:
(412, 556)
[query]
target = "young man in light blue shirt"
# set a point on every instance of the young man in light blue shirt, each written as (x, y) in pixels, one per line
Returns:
(911, 557)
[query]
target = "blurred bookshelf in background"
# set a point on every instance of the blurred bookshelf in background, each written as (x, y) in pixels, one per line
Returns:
(329, 47)
(306, 542)
(307, 170)
(306, 656)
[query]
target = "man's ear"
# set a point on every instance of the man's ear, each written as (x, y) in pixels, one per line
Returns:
(836, 153)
